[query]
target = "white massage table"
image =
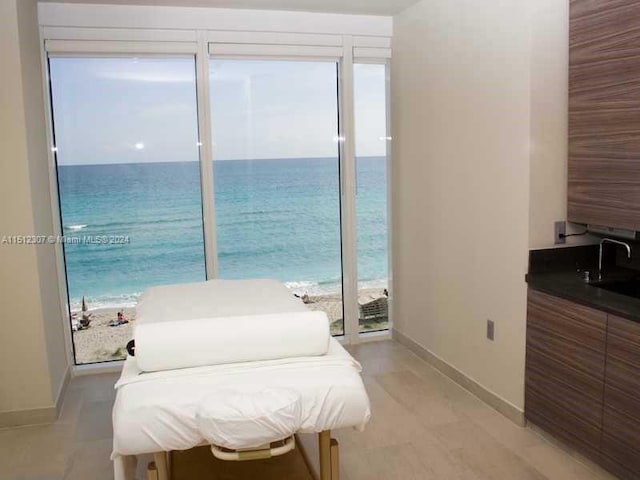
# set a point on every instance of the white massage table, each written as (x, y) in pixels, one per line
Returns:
(156, 412)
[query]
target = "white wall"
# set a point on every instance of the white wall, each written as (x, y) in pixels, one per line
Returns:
(33, 359)
(549, 123)
(461, 141)
(37, 150)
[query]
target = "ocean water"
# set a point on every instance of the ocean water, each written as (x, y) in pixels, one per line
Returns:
(275, 218)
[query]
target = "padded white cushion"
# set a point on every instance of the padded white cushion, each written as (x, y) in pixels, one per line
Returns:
(249, 419)
(156, 412)
(177, 344)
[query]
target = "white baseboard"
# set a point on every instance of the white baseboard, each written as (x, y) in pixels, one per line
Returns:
(37, 416)
(506, 408)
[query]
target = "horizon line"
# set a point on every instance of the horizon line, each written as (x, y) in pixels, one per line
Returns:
(215, 160)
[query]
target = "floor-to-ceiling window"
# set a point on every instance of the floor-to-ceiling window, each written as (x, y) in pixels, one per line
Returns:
(370, 115)
(274, 177)
(277, 176)
(126, 135)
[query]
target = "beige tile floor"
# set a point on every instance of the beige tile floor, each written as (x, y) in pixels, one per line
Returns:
(424, 427)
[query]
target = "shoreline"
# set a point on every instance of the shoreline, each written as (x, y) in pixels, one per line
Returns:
(300, 288)
(101, 342)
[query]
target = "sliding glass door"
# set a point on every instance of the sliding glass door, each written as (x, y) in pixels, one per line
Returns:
(126, 135)
(277, 176)
(370, 114)
(277, 185)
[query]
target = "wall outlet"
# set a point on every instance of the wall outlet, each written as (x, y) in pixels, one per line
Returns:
(560, 230)
(491, 330)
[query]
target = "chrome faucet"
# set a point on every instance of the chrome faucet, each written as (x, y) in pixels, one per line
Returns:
(610, 240)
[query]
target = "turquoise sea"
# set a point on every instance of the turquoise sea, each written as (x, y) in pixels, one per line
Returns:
(275, 218)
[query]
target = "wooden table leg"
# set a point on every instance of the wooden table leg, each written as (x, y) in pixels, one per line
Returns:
(162, 465)
(152, 471)
(335, 460)
(124, 467)
(324, 446)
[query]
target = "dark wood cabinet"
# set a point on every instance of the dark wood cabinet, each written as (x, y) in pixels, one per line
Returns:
(564, 381)
(582, 381)
(604, 113)
(621, 420)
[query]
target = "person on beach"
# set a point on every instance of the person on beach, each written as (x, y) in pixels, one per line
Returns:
(85, 321)
(119, 321)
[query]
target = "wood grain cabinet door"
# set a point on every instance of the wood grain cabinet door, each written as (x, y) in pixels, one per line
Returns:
(604, 113)
(565, 362)
(621, 422)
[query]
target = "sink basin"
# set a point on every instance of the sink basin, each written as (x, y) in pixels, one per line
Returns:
(628, 287)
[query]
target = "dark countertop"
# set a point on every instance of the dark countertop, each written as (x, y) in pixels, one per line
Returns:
(571, 286)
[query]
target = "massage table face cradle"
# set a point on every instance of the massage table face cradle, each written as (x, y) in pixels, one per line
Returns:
(160, 468)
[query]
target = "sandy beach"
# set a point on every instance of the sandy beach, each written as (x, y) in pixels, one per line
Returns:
(332, 305)
(101, 342)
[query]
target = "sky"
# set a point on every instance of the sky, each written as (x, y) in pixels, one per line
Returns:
(122, 110)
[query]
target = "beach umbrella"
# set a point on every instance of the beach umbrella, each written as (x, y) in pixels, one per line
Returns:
(86, 317)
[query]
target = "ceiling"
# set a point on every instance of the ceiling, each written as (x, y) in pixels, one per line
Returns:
(370, 7)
